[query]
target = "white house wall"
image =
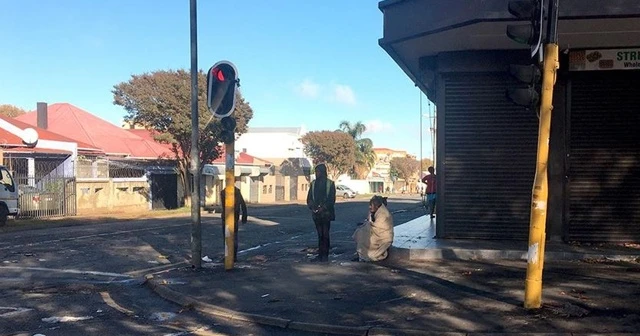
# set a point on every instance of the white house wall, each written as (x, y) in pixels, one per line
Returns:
(271, 144)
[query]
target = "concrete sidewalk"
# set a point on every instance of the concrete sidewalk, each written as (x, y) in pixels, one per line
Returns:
(415, 241)
(426, 287)
(452, 297)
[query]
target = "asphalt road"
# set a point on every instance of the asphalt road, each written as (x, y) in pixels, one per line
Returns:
(85, 280)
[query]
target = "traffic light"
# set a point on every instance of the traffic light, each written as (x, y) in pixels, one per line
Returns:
(531, 75)
(530, 33)
(228, 134)
(222, 82)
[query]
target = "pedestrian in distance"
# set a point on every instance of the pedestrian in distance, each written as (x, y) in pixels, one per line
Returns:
(430, 190)
(321, 200)
(240, 205)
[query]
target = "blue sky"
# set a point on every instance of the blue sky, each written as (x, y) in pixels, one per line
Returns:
(311, 63)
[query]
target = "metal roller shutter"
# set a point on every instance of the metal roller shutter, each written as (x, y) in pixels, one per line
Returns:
(604, 163)
(489, 157)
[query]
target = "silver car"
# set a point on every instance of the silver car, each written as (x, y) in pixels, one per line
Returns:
(344, 191)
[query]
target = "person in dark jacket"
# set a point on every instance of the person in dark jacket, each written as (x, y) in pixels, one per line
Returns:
(321, 200)
(240, 204)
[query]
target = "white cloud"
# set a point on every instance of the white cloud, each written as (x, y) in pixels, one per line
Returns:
(308, 89)
(343, 94)
(377, 126)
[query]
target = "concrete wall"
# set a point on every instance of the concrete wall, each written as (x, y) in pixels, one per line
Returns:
(100, 195)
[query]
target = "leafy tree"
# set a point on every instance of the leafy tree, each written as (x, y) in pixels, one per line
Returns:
(404, 167)
(426, 163)
(161, 101)
(365, 157)
(336, 149)
(11, 111)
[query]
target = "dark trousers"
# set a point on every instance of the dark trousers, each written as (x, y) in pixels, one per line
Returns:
(323, 226)
(235, 237)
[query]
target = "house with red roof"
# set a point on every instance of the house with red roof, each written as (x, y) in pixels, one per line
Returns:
(82, 126)
(122, 158)
(251, 173)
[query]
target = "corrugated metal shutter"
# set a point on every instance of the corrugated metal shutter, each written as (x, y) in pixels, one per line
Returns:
(489, 157)
(604, 163)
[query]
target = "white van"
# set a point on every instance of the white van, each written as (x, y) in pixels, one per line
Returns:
(8, 196)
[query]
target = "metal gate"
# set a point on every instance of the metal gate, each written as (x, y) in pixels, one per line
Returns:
(279, 188)
(489, 159)
(254, 190)
(293, 188)
(46, 197)
(164, 191)
(604, 159)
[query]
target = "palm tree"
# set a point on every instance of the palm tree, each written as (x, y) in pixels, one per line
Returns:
(365, 157)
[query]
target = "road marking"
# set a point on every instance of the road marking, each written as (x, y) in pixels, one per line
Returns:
(71, 271)
(13, 311)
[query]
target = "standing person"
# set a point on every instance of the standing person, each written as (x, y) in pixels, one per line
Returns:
(375, 236)
(240, 204)
(430, 181)
(321, 200)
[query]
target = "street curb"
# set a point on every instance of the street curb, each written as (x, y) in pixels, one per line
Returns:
(206, 308)
(213, 310)
(451, 253)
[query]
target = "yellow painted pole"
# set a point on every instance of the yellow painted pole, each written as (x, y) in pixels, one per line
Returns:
(229, 206)
(537, 228)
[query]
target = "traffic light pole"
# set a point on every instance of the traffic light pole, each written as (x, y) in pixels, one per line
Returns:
(537, 229)
(229, 206)
(196, 225)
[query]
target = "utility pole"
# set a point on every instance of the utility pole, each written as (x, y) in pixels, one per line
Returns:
(537, 229)
(196, 225)
(421, 130)
(222, 83)
(538, 95)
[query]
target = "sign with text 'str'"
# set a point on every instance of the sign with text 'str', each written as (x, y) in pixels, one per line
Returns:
(604, 59)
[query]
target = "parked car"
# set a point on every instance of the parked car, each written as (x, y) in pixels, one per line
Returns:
(344, 191)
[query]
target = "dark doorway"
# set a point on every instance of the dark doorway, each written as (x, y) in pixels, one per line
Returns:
(164, 191)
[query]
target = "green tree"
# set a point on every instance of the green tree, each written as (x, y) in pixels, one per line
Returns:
(161, 101)
(404, 168)
(426, 163)
(11, 111)
(365, 158)
(336, 149)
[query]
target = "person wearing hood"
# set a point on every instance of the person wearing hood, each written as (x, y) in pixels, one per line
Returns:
(321, 200)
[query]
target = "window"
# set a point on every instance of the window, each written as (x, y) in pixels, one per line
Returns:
(7, 181)
(264, 189)
(271, 189)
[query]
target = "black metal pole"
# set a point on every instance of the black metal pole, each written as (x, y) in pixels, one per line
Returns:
(196, 225)
(552, 28)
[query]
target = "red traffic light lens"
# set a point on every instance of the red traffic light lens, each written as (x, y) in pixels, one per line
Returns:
(218, 74)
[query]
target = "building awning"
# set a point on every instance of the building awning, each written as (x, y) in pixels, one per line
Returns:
(416, 32)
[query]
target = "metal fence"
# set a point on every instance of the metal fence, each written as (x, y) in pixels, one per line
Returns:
(46, 186)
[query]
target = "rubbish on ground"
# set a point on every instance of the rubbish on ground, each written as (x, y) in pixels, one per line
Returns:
(206, 259)
(161, 316)
(63, 319)
(264, 296)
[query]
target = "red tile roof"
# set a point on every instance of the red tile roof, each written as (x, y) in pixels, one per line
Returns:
(14, 141)
(83, 126)
(243, 158)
